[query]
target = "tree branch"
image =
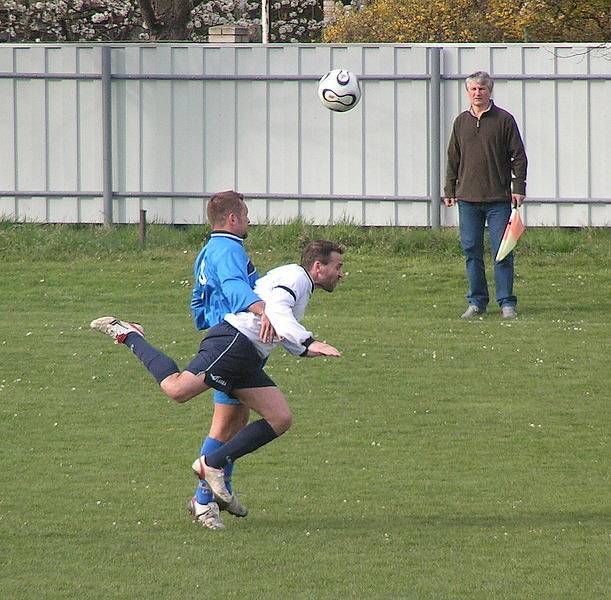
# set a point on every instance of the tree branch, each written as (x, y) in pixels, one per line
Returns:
(148, 14)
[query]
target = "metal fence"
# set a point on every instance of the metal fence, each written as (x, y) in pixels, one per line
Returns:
(95, 133)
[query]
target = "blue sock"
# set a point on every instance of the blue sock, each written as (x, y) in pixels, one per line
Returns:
(203, 493)
(158, 364)
(247, 440)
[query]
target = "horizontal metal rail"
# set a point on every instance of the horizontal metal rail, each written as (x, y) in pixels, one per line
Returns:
(541, 77)
(229, 77)
(25, 75)
(266, 196)
(200, 77)
(261, 196)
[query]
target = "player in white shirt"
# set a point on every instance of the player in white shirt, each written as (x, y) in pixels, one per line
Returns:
(231, 356)
(235, 353)
(287, 289)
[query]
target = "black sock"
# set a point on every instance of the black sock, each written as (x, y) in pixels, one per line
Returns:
(247, 440)
(158, 364)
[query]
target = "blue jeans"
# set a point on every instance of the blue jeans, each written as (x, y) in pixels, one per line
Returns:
(472, 220)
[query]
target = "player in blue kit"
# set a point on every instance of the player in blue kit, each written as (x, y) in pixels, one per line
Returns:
(223, 280)
(230, 357)
(224, 277)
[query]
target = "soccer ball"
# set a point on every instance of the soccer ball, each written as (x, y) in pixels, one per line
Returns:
(339, 90)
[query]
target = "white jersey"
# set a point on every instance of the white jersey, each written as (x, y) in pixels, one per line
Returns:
(286, 292)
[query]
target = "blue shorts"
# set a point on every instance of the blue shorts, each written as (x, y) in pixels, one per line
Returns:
(229, 361)
(222, 398)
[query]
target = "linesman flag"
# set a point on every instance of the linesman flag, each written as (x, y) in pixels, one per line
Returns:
(513, 231)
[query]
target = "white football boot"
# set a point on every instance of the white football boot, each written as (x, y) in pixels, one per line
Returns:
(207, 515)
(115, 328)
(234, 507)
(215, 478)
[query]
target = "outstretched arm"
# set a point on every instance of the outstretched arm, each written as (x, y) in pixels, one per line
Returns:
(279, 309)
(293, 335)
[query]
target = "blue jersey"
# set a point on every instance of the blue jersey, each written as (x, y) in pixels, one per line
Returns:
(224, 278)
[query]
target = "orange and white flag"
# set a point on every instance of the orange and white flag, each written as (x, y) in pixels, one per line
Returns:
(512, 234)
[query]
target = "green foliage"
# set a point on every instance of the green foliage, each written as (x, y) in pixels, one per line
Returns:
(397, 21)
(58, 242)
(436, 459)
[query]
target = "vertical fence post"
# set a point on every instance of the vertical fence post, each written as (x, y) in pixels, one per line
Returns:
(435, 136)
(142, 228)
(106, 136)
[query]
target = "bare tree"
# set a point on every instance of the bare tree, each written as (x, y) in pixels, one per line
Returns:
(166, 19)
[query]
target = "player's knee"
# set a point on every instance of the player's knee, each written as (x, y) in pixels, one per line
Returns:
(471, 248)
(282, 421)
(175, 391)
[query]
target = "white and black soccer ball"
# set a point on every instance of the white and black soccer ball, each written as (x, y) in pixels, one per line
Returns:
(339, 90)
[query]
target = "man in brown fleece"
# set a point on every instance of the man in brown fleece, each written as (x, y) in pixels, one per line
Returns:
(485, 150)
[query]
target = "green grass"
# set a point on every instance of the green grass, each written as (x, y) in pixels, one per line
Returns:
(438, 459)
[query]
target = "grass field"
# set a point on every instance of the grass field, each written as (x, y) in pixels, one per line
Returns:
(438, 459)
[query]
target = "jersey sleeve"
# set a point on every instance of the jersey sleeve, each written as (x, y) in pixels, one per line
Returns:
(295, 349)
(197, 306)
(519, 162)
(199, 301)
(279, 310)
(452, 163)
(234, 281)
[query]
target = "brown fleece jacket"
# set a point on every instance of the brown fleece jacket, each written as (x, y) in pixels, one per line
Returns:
(482, 154)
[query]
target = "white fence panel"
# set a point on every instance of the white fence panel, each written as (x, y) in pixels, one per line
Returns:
(316, 144)
(599, 133)
(191, 119)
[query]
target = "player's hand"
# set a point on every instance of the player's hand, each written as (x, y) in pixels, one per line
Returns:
(449, 201)
(267, 331)
(322, 349)
(517, 200)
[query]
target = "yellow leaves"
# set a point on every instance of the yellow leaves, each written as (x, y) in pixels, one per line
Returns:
(475, 21)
